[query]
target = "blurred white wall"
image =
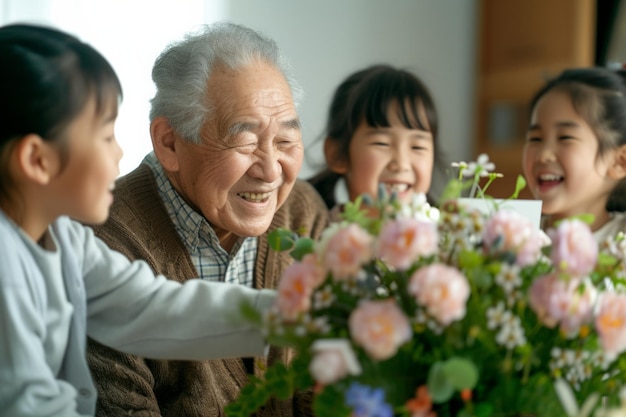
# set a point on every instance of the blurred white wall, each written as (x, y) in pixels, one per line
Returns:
(324, 39)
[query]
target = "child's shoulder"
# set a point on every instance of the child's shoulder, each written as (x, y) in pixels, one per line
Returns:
(616, 224)
(13, 251)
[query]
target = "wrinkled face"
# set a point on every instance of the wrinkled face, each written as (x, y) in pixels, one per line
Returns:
(399, 158)
(561, 162)
(251, 152)
(83, 188)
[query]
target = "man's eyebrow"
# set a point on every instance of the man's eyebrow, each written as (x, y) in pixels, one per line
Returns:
(292, 124)
(239, 127)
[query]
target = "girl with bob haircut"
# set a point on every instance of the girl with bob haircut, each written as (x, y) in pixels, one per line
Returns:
(381, 132)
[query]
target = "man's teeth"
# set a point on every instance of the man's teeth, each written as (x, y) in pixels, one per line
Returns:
(255, 196)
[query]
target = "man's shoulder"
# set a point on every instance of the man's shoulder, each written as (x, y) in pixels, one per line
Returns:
(305, 193)
(304, 208)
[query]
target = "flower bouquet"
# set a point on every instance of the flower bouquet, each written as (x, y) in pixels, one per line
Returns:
(450, 312)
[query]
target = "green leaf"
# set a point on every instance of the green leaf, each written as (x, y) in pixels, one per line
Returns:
(330, 403)
(470, 259)
(520, 184)
(281, 239)
(303, 246)
(439, 387)
(483, 410)
(461, 373)
(452, 191)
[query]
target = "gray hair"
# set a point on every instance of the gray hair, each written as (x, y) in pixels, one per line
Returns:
(182, 71)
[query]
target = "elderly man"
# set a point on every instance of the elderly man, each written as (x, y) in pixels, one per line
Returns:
(227, 151)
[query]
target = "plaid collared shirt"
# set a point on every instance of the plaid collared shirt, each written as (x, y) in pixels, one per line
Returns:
(212, 262)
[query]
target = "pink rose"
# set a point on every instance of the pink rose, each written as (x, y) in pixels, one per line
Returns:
(574, 249)
(539, 298)
(611, 323)
(380, 327)
(403, 240)
(333, 359)
(295, 289)
(566, 302)
(317, 273)
(348, 249)
(442, 290)
(509, 231)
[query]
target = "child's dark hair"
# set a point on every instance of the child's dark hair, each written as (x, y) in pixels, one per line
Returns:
(46, 78)
(599, 97)
(367, 95)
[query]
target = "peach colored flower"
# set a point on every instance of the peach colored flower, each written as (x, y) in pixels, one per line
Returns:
(611, 323)
(509, 231)
(574, 249)
(442, 290)
(422, 404)
(566, 302)
(317, 272)
(333, 359)
(403, 240)
(346, 250)
(575, 306)
(380, 327)
(295, 289)
(539, 298)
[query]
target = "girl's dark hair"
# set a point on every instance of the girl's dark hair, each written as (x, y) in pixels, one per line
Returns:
(599, 97)
(46, 78)
(367, 95)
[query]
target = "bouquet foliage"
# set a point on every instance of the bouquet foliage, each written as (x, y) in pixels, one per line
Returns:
(451, 312)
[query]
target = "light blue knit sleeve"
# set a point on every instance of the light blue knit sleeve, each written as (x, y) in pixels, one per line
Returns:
(132, 310)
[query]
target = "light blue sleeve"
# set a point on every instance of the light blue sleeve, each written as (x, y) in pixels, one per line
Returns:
(28, 386)
(133, 311)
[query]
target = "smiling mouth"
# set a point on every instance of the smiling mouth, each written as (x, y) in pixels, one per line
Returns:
(547, 180)
(255, 197)
(397, 188)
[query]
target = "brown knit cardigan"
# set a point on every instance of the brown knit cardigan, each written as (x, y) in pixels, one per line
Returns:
(140, 227)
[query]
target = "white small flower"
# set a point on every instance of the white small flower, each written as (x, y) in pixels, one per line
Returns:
(510, 337)
(333, 359)
(509, 278)
(560, 357)
(419, 209)
(568, 400)
(323, 298)
(482, 166)
(495, 316)
(601, 360)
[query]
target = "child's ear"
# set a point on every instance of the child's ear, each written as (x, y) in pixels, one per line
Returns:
(164, 143)
(336, 162)
(617, 170)
(37, 160)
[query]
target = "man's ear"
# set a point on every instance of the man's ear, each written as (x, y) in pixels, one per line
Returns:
(164, 143)
(37, 160)
(617, 170)
(336, 162)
